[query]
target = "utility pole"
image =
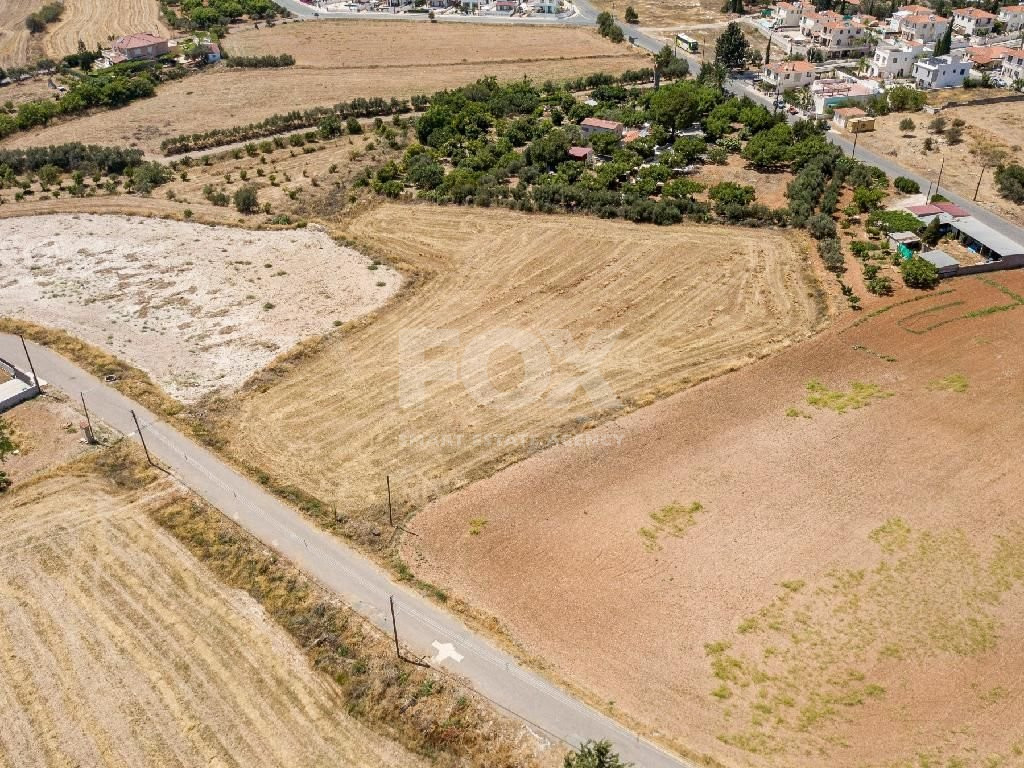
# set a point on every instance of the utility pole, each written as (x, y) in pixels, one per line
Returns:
(35, 378)
(391, 518)
(90, 434)
(978, 187)
(394, 626)
(143, 439)
(856, 135)
(938, 182)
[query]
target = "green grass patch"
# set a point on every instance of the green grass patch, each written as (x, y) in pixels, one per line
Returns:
(953, 383)
(673, 520)
(860, 394)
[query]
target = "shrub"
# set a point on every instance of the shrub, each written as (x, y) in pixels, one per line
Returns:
(880, 285)
(906, 186)
(1010, 182)
(907, 125)
(918, 273)
(821, 226)
(262, 62)
(831, 252)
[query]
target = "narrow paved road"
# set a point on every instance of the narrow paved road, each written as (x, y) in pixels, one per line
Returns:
(424, 628)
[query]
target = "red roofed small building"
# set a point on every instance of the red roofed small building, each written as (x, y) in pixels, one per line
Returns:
(585, 154)
(592, 125)
(988, 57)
(973, 21)
(787, 75)
(853, 119)
(140, 46)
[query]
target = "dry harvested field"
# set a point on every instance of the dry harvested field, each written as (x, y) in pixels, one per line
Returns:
(1000, 125)
(816, 560)
(199, 308)
(221, 97)
(99, 21)
(686, 303)
(15, 42)
(654, 14)
(118, 648)
(91, 21)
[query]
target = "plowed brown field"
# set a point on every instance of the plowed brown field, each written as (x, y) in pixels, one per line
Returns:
(15, 41)
(753, 574)
(117, 648)
(688, 303)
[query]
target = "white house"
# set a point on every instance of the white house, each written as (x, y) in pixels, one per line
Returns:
(947, 71)
(787, 75)
(1013, 67)
(926, 27)
(812, 22)
(973, 21)
(1012, 16)
(842, 39)
(895, 60)
(787, 15)
(592, 125)
(902, 13)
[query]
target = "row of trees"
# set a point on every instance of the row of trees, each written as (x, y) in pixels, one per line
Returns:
(215, 15)
(290, 121)
(269, 61)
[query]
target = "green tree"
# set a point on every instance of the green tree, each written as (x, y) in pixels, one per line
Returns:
(732, 49)
(7, 445)
(247, 199)
(770, 149)
(918, 273)
(679, 105)
(594, 754)
(1010, 182)
(945, 42)
(631, 16)
(330, 126)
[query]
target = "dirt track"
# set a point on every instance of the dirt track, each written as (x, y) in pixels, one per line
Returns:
(690, 302)
(555, 548)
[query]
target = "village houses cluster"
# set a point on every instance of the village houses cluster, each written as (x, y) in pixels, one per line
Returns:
(852, 56)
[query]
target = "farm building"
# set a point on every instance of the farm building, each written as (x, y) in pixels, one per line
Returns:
(586, 154)
(946, 265)
(853, 119)
(592, 125)
(140, 46)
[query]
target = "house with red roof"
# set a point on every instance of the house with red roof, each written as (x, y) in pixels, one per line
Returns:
(140, 46)
(973, 21)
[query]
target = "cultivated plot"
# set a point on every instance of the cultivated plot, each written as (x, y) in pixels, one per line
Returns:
(678, 305)
(117, 648)
(817, 559)
(198, 308)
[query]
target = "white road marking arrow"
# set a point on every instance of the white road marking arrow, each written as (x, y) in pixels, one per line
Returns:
(446, 651)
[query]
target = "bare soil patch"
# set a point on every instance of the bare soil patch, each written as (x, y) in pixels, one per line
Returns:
(770, 187)
(814, 560)
(198, 308)
(222, 97)
(1000, 125)
(46, 433)
(671, 13)
(118, 648)
(688, 303)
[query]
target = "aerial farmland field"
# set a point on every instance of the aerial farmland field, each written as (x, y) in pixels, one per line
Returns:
(814, 560)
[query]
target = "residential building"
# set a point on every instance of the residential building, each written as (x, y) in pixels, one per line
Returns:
(947, 71)
(842, 39)
(973, 21)
(812, 22)
(1012, 16)
(546, 6)
(1013, 67)
(988, 58)
(787, 75)
(583, 154)
(926, 27)
(907, 10)
(592, 125)
(841, 92)
(787, 15)
(895, 60)
(140, 46)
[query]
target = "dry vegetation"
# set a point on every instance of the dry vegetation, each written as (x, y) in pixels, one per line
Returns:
(683, 315)
(17, 46)
(998, 125)
(91, 21)
(198, 308)
(815, 560)
(221, 97)
(656, 16)
(118, 648)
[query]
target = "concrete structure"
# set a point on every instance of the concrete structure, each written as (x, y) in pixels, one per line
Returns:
(947, 71)
(787, 75)
(1012, 16)
(895, 60)
(16, 385)
(973, 21)
(926, 27)
(592, 125)
(853, 119)
(141, 46)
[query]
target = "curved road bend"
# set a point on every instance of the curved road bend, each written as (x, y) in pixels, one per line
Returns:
(424, 628)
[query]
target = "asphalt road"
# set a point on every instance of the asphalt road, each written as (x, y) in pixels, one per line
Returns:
(425, 630)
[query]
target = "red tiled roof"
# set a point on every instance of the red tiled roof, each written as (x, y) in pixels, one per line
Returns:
(924, 210)
(138, 40)
(791, 66)
(850, 112)
(596, 122)
(953, 210)
(974, 13)
(580, 153)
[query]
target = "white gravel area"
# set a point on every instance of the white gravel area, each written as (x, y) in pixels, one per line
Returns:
(199, 308)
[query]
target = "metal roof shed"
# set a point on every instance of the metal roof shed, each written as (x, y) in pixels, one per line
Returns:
(986, 240)
(944, 263)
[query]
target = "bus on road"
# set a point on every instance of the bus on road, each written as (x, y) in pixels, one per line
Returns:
(687, 42)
